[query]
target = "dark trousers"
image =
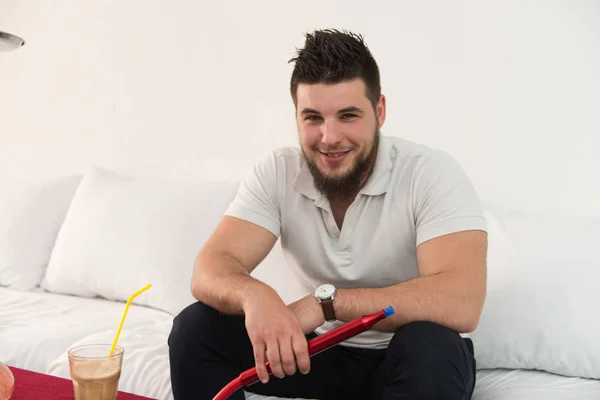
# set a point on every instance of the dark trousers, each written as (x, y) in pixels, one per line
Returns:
(423, 361)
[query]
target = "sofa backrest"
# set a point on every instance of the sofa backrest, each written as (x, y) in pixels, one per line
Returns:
(121, 233)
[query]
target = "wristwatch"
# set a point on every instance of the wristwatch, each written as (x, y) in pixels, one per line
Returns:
(325, 295)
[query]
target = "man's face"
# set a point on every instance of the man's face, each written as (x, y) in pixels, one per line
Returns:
(339, 134)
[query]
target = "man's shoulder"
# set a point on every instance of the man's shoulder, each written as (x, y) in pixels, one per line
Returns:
(288, 153)
(288, 158)
(403, 151)
(282, 163)
(423, 166)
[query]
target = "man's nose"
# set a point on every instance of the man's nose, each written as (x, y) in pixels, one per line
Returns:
(330, 134)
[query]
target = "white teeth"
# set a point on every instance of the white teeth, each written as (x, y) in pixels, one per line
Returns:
(334, 155)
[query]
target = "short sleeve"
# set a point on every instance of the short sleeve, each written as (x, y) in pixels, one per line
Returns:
(444, 199)
(256, 200)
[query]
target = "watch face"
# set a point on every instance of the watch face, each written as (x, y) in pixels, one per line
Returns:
(325, 291)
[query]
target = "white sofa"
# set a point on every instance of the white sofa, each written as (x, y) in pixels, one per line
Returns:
(73, 249)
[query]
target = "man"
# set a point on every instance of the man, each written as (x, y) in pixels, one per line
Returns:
(366, 221)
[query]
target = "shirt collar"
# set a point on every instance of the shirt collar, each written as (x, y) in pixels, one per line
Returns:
(377, 183)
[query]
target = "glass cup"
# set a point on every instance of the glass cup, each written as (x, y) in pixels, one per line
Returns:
(94, 373)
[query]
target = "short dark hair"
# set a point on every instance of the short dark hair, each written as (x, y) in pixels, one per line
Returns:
(333, 56)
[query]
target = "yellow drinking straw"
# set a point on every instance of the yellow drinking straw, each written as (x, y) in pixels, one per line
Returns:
(133, 296)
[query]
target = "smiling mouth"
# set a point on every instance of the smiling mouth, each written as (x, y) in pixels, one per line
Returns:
(336, 154)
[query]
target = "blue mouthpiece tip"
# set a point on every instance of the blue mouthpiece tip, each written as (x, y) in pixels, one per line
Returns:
(388, 311)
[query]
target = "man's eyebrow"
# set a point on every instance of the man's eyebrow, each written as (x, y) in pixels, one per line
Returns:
(309, 111)
(342, 111)
(350, 109)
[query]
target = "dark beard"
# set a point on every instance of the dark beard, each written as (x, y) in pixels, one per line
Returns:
(344, 187)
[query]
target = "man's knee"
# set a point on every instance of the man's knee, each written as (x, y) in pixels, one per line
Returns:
(423, 338)
(430, 361)
(200, 325)
(192, 318)
(204, 350)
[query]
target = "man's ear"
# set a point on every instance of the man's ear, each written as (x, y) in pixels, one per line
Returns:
(380, 111)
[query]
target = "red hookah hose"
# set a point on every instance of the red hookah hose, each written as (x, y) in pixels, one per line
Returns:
(315, 346)
(230, 389)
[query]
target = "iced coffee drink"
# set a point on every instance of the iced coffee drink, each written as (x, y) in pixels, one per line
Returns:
(94, 373)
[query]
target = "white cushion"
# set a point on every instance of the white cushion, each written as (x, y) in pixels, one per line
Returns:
(31, 214)
(122, 233)
(541, 310)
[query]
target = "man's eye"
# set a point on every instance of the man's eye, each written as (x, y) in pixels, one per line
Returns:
(348, 116)
(312, 118)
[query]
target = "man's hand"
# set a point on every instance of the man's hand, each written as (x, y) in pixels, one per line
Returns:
(309, 312)
(276, 336)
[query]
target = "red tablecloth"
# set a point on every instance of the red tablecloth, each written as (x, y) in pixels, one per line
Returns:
(35, 386)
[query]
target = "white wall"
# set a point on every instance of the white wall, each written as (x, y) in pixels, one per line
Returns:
(199, 89)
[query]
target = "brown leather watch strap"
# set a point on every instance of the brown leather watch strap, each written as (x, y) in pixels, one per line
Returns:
(328, 310)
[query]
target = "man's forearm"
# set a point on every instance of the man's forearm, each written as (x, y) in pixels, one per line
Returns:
(443, 298)
(223, 283)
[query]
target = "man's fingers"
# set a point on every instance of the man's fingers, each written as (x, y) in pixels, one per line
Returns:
(300, 347)
(259, 357)
(274, 358)
(288, 359)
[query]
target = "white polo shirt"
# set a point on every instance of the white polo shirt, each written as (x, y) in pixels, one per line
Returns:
(414, 194)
